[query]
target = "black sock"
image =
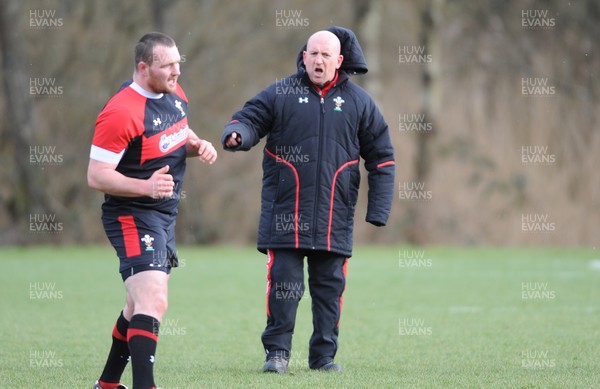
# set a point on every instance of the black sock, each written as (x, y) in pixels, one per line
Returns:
(118, 355)
(142, 336)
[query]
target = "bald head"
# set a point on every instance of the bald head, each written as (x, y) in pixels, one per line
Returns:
(324, 38)
(322, 57)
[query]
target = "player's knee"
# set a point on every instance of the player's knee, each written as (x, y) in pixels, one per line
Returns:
(161, 305)
(154, 305)
(128, 311)
(157, 307)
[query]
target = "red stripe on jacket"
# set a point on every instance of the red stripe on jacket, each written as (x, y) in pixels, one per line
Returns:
(297, 206)
(383, 164)
(333, 198)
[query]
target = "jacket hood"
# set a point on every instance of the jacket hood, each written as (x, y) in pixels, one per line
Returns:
(354, 61)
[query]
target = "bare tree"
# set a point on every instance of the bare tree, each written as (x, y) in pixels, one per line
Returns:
(429, 37)
(369, 15)
(28, 195)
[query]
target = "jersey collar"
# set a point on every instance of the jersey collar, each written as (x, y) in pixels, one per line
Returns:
(149, 95)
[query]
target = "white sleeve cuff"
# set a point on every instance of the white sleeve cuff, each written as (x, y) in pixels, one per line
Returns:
(106, 156)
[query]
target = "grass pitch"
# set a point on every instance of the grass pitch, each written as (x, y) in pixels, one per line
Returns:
(413, 318)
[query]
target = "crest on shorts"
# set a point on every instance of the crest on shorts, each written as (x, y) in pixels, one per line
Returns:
(147, 239)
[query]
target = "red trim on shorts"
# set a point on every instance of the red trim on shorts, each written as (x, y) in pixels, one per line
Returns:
(117, 335)
(270, 259)
(131, 238)
(138, 332)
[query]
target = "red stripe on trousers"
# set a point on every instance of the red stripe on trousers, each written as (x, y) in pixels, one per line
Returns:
(270, 259)
(131, 237)
(345, 272)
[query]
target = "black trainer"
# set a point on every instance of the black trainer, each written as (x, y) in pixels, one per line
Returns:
(330, 367)
(276, 365)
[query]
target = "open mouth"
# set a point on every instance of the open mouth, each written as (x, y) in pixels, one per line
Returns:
(319, 71)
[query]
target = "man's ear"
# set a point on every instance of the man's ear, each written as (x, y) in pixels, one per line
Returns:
(142, 67)
(339, 62)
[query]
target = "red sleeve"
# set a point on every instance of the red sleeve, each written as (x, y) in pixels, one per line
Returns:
(118, 123)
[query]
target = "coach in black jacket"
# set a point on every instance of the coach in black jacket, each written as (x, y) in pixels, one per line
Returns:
(318, 124)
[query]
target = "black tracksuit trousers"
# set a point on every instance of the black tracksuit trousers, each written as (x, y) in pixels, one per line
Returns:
(285, 288)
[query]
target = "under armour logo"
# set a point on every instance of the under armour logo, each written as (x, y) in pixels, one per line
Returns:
(303, 99)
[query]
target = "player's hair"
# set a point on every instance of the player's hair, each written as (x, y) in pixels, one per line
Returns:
(144, 49)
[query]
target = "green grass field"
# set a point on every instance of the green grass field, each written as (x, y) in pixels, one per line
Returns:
(413, 318)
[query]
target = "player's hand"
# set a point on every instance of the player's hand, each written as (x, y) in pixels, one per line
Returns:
(233, 140)
(204, 149)
(161, 183)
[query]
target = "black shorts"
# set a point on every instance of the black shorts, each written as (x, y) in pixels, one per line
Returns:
(143, 239)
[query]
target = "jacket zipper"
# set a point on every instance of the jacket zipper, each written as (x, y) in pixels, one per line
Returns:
(318, 180)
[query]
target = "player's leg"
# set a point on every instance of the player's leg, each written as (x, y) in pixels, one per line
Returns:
(285, 287)
(118, 355)
(144, 244)
(148, 290)
(327, 282)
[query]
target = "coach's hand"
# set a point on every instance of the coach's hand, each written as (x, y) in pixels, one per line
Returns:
(233, 140)
(161, 183)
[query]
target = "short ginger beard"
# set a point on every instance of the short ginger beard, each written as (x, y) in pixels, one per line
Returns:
(159, 86)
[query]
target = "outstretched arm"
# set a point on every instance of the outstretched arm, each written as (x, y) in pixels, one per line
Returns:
(251, 123)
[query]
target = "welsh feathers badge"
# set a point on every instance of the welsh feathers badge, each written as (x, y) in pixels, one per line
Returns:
(338, 104)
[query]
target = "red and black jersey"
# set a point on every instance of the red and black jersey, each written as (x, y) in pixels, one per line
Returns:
(141, 132)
